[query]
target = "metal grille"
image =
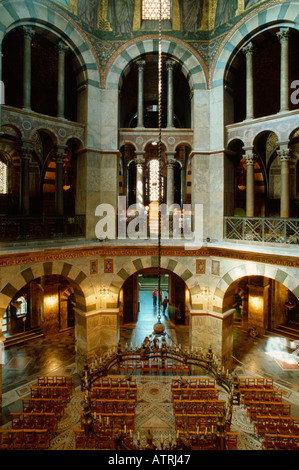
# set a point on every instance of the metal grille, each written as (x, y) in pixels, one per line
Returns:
(260, 229)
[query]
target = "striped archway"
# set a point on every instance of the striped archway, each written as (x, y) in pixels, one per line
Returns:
(226, 286)
(138, 264)
(84, 290)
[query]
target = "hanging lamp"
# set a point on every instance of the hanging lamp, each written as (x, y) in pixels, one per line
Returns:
(159, 327)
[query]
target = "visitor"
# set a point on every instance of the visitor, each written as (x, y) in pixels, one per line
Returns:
(164, 303)
(155, 295)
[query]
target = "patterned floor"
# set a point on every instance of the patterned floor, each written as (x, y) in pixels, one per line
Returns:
(154, 411)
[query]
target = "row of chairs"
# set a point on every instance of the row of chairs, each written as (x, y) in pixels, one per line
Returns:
(192, 394)
(267, 408)
(24, 439)
(113, 406)
(115, 382)
(154, 366)
(44, 405)
(55, 381)
(198, 406)
(61, 392)
(112, 421)
(83, 441)
(206, 441)
(285, 425)
(280, 442)
(194, 422)
(252, 395)
(255, 382)
(46, 421)
(202, 382)
(113, 393)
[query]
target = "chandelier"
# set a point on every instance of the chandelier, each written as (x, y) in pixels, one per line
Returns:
(159, 327)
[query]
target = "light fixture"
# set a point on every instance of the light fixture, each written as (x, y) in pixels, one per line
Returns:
(159, 327)
(66, 180)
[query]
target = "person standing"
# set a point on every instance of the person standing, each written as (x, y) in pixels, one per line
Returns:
(155, 295)
(164, 303)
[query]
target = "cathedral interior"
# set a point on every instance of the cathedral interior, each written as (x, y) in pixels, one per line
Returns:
(149, 225)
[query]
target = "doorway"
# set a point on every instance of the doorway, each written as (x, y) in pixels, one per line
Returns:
(137, 297)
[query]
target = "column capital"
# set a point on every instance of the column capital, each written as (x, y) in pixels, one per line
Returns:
(27, 150)
(284, 154)
(141, 64)
(283, 34)
(249, 49)
(139, 161)
(170, 64)
(28, 32)
(250, 158)
(62, 47)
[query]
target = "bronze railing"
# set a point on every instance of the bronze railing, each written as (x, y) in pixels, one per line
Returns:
(44, 227)
(262, 229)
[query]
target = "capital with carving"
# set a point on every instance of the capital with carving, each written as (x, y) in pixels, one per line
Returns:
(28, 32)
(250, 158)
(284, 155)
(249, 48)
(62, 47)
(283, 34)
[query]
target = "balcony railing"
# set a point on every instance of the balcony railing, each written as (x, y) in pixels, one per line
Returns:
(262, 229)
(38, 228)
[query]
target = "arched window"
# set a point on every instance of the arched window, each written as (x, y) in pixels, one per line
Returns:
(151, 9)
(3, 176)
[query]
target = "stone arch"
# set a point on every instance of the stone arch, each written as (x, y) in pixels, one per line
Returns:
(276, 273)
(193, 66)
(15, 13)
(285, 14)
(83, 289)
(173, 265)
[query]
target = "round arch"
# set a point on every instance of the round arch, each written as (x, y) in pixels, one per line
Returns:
(84, 290)
(282, 15)
(61, 25)
(227, 282)
(193, 66)
(170, 264)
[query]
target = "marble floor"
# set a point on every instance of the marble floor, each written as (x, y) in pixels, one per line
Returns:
(269, 356)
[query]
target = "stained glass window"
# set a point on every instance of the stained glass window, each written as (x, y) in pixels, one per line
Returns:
(151, 9)
(3, 177)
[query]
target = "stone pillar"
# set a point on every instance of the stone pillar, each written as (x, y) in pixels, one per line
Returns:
(170, 163)
(250, 159)
(141, 65)
(24, 186)
(170, 65)
(284, 156)
(62, 49)
(28, 35)
(139, 178)
(248, 50)
(283, 36)
(59, 209)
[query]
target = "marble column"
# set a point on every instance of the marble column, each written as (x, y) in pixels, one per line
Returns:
(248, 50)
(284, 156)
(24, 186)
(62, 49)
(170, 163)
(139, 178)
(140, 110)
(28, 35)
(59, 209)
(170, 65)
(283, 36)
(250, 159)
